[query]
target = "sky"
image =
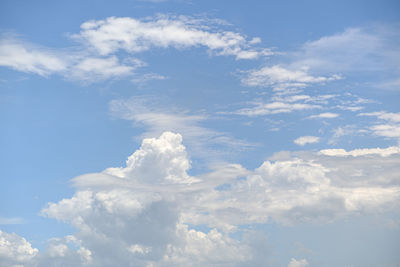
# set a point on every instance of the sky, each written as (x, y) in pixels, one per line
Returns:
(200, 133)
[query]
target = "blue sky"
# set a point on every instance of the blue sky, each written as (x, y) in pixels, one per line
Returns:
(200, 133)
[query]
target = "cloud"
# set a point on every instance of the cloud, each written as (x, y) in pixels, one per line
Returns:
(298, 263)
(285, 104)
(148, 113)
(383, 115)
(274, 108)
(15, 250)
(281, 78)
(149, 212)
(390, 129)
(133, 35)
(325, 115)
(371, 48)
(28, 58)
(98, 57)
(384, 152)
(12, 220)
(98, 69)
(303, 140)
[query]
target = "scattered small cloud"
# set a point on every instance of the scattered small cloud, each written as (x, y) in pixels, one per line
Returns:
(325, 115)
(298, 263)
(303, 140)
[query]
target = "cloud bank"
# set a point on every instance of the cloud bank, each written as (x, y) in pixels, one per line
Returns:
(148, 212)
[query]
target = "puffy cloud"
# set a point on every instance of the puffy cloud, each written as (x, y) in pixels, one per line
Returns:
(150, 211)
(133, 35)
(303, 140)
(15, 250)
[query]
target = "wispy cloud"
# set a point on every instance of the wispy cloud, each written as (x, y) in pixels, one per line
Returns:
(134, 35)
(29, 58)
(11, 220)
(155, 119)
(281, 78)
(100, 41)
(391, 127)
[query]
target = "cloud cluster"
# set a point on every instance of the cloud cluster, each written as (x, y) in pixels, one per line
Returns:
(15, 250)
(147, 212)
(98, 57)
(388, 124)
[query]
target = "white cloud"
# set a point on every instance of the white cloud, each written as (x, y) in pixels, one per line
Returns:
(98, 58)
(27, 58)
(281, 77)
(387, 130)
(303, 140)
(325, 115)
(274, 108)
(15, 250)
(98, 69)
(384, 152)
(391, 127)
(133, 35)
(298, 263)
(383, 115)
(285, 104)
(144, 213)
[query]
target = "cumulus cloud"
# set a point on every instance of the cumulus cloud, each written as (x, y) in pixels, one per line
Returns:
(15, 250)
(303, 140)
(149, 212)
